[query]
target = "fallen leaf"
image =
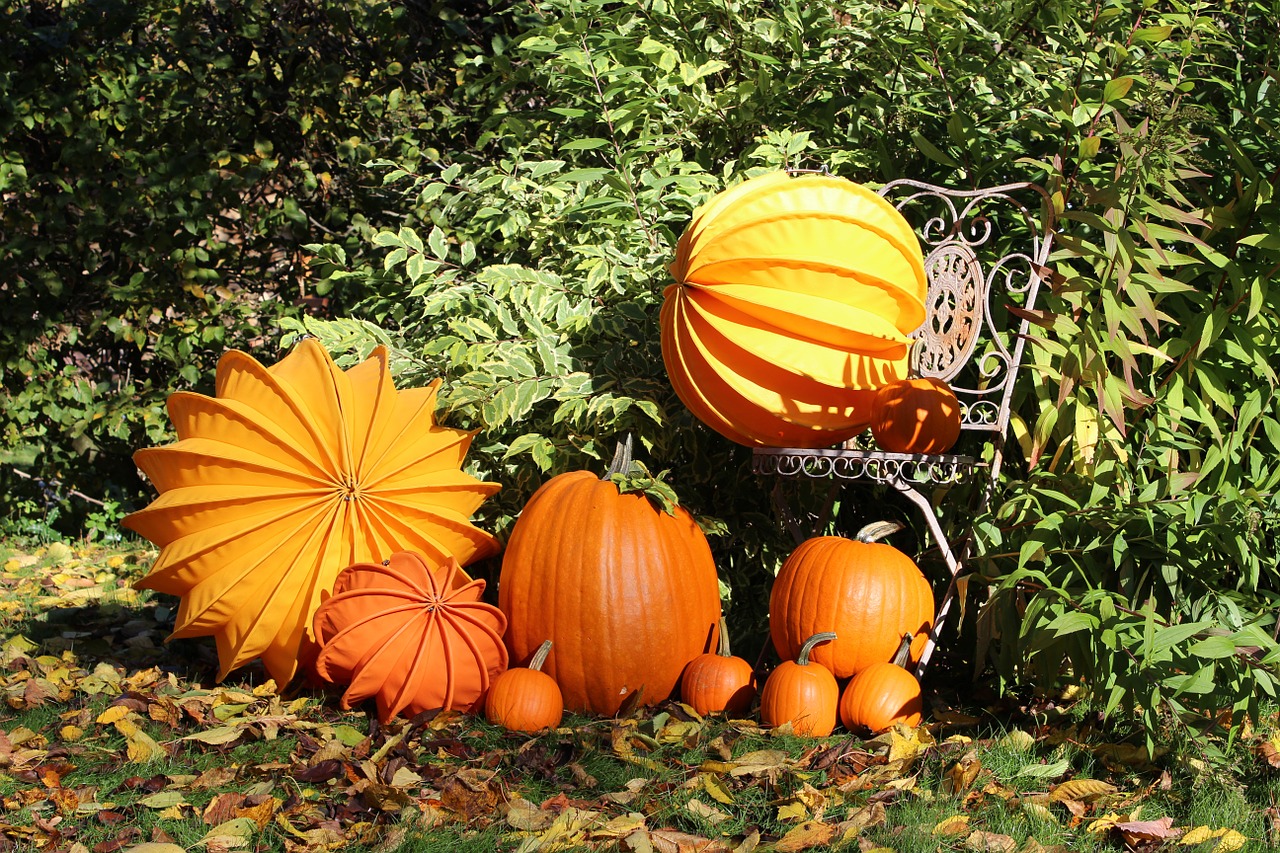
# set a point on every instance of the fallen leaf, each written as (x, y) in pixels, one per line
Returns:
(1084, 790)
(237, 832)
(708, 813)
(1017, 740)
(154, 847)
(673, 841)
(163, 800)
(990, 842)
(806, 836)
(1227, 840)
(716, 789)
(954, 825)
(1136, 831)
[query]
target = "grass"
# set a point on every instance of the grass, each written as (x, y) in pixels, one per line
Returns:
(113, 738)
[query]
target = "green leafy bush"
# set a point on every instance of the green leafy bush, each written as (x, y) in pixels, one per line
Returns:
(1133, 547)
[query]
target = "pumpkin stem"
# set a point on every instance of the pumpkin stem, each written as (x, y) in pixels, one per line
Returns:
(621, 463)
(723, 650)
(540, 656)
(823, 637)
(877, 530)
(903, 654)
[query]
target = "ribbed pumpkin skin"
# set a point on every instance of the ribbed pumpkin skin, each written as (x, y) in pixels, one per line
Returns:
(713, 683)
(879, 696)
(868, 593)
(915, 416)
(627, 593)
(524, 700)
(806, 696)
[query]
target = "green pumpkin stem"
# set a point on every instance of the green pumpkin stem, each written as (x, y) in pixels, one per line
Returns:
(621, 464)
(540, 656)
(877, 530)
(723, 649)
(630, 476)
(903, 654)
(822, 637)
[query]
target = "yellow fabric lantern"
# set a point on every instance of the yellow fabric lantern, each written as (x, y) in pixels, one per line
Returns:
(793, 303)
(287, 476)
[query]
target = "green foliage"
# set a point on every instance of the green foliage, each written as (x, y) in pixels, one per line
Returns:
(162, 165)
(1134, 548)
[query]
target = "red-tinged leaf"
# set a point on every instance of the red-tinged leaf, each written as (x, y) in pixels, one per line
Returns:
(323, 771)
(1038, 316)
(1137, 831)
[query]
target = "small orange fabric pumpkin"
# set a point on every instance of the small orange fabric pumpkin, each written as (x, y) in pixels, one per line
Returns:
(719, 682)
(920, 415)
(883, 694)
(627, 591)
(867, 592)
(802, 692)
(525, 699)
(401, 633)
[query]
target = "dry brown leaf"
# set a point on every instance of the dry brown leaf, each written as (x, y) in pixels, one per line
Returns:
(990, 842)
(708, 813)
(855, 822)
(1084, 790)
(806, 836)
(1269, 750)
(673, 841)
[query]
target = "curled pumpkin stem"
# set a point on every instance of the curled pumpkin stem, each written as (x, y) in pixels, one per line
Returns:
(877, 530)
(823, 637)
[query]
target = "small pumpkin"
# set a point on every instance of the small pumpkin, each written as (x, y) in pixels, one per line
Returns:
(866, 591)
(920, 415)
(720, 681)
(627, 591)
(802, 692)
(883, 694)
(525, 699)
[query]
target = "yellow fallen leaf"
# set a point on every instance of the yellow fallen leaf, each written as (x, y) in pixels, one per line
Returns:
(708, 813)
(71, 733)
(806, 836)
(112, 714)
(954, 825)
(716, 789)
(163, 800)
(1084, 790)
(792, 810)
(140, 746)
(1228, 839)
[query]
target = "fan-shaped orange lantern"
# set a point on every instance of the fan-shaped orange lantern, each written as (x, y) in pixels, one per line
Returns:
(287, 476)
(793, 301)
(410, 636)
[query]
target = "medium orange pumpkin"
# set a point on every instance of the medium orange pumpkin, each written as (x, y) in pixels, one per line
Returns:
(867, 592)
(525, 699)
(627, 592)
(802, 692)
(920, 415)
(410, 636)
(719, 682)
(883, 694)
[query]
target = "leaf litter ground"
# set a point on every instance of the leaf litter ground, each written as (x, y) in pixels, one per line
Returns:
(112, 740)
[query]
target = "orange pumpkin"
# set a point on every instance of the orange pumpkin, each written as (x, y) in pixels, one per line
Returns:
(920, 415)
(867, 592)
(525, 699)
(405, 634)
(719, 682)
(627, 592)
(802, 692)
(883, 694)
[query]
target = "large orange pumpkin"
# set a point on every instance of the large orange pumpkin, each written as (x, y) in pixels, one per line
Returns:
(626, 592)
(869, 593)
(792, 304)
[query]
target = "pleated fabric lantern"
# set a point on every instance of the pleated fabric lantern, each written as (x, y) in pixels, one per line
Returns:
(412, 636)
(793, 302)
(287, 476)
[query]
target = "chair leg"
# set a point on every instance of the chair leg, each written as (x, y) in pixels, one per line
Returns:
(953, 567)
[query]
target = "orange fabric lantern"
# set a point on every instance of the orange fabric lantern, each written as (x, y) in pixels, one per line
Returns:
(411, 636)
(288, 475)
(793, 301)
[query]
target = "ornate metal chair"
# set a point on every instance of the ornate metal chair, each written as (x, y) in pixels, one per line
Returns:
(986, 254)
